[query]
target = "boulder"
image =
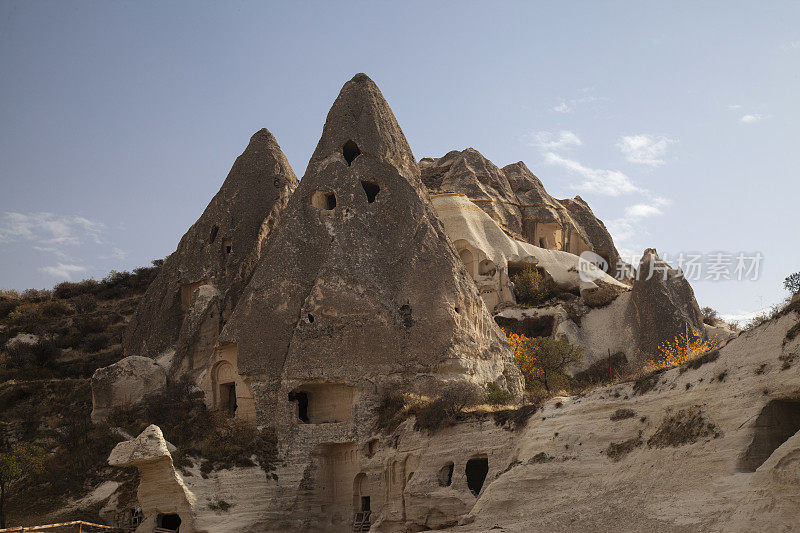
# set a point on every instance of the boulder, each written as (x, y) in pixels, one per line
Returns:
(124, 384)
(663, 304)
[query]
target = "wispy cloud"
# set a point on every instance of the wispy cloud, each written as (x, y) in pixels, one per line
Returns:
(568, 105)
(552, 141)
(116, 253)
(749, 119)
(62, 271)
(48, 229)
(734, 107)
(644, 149)
(642, 211)
(608, 182)
(791, 45)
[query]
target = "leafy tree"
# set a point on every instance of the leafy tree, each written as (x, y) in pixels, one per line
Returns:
(532, 285)
(21, 460)
(710, 316)
(543, 360)
(792, 283)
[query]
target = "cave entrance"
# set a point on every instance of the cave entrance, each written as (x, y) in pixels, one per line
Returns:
(168, 522)
(530, 326)
(302, 405)
(476, 471)
(778, 420)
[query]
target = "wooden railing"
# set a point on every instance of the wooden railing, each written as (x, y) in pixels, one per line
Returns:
(78, 525)
(361, 521)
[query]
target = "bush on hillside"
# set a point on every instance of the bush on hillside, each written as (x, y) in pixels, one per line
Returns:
(532, 285)
(446, 409)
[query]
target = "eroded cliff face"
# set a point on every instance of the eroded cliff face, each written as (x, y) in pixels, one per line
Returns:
(710, 448)
(516, 199)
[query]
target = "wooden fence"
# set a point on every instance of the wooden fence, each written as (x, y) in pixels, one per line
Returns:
(78, 526)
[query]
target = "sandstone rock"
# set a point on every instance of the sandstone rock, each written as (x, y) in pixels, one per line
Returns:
(516, 199)
(220, 249)
(161, 489)
(491, 255)
(663, 304)
(124, 384)
(359, 278)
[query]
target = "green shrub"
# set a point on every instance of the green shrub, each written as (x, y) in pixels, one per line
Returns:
(532, 285)
(496, 395)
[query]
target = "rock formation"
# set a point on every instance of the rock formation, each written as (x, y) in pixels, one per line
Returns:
(363, 282)
(492, 256)
(359, 281)
(165, 501)
(124, 384)
(219, 250)
(663, 304)
(516, 199)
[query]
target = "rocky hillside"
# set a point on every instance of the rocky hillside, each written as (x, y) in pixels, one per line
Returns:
(51, 342)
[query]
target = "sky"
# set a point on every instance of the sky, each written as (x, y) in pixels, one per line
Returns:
(678, 122)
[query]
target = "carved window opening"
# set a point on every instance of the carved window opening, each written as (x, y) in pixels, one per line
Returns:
(350, 151)
(323, 200)
(302, 405)
(371, 189)
(445, 476)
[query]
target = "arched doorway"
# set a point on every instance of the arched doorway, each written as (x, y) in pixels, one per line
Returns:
(224, 384)
(361, 503)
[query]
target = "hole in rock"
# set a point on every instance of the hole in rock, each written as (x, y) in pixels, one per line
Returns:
(168, 522)
(213, 236)
(228, 246)
(350, 151)
(778, 420)
(310, 318)
(476, 471)
(323, 403)
(372, 190)
(302, 405)
(445, 476)
(530, 326)
(323, 200)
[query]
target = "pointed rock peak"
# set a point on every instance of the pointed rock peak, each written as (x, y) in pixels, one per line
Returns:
(361, 124)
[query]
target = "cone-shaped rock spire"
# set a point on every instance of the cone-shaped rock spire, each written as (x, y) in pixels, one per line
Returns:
(359, 280)
(220, 249)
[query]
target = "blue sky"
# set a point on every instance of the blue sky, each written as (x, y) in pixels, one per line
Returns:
(678, 122)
